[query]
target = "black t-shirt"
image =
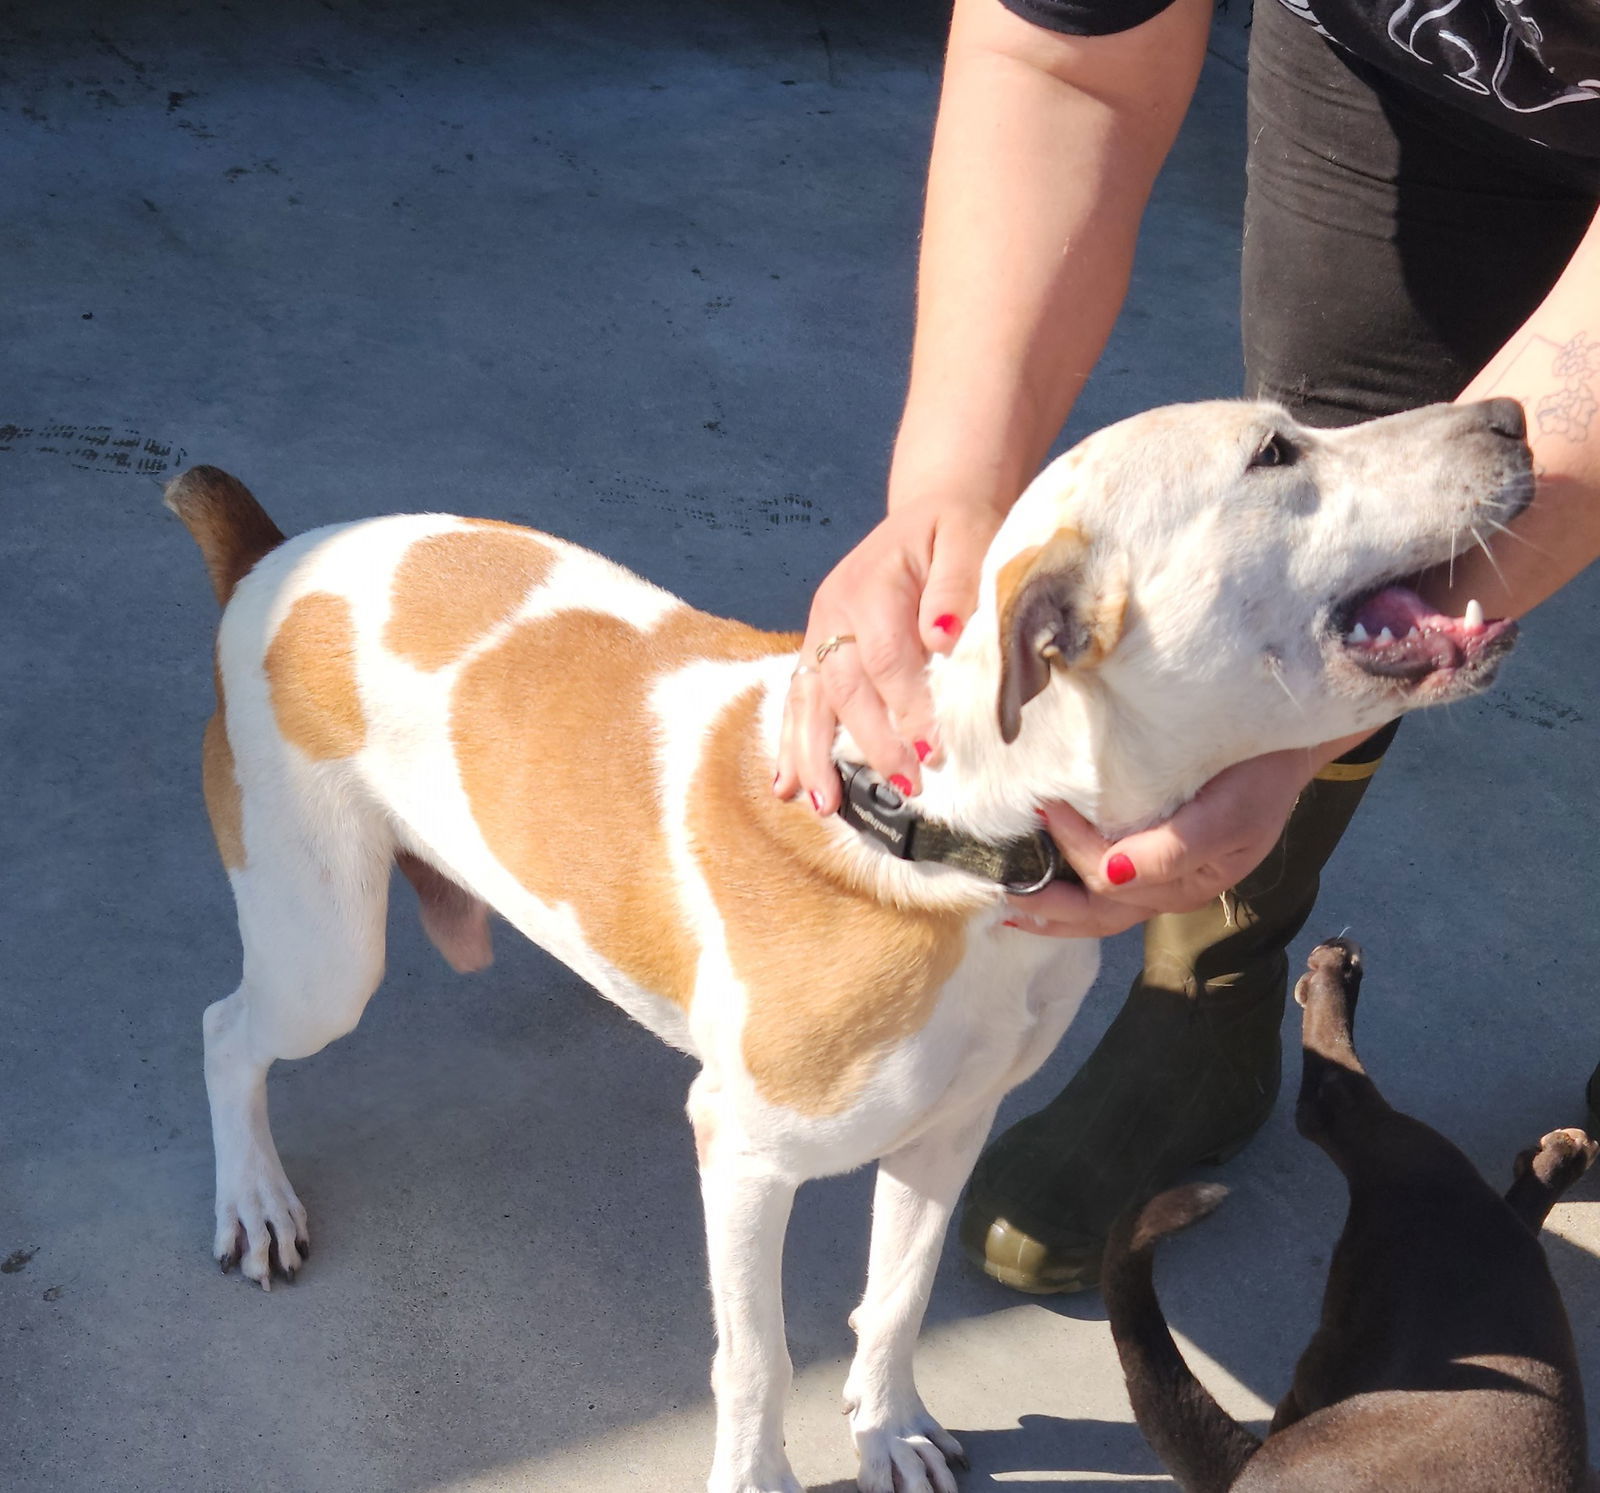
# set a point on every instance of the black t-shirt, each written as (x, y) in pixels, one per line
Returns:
(1528, 66)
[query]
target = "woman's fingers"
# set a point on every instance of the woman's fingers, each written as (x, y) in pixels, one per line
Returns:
(951, 593)
(879, 685)
(1082, 845)
(863, 665)
(1207, 846)
(855, 703)
(1065, 911)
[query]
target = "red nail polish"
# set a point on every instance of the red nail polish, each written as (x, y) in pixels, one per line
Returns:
(775, 778)
(816, 803)
(901, 784)
(949, 624)
(1009, 924)
(1119, 870)
(923, 750)
(1041, 816)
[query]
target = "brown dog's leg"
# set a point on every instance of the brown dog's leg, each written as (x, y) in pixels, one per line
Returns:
(1338, 1102)
(1543, 1172)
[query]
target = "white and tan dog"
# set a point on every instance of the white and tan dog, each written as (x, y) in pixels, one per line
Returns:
(1184, 590)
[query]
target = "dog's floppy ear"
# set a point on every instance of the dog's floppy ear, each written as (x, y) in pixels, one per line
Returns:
(1049, 618)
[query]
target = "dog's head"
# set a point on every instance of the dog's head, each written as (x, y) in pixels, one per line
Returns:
(1222, 574)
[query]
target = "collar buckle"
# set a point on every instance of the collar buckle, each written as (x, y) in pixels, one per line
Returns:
(874, 809)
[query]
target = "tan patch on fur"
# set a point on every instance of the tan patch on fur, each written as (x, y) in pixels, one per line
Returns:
(311, 677)
(219, 781)
(1066, 550)
(1108, 621)
(1009, 580)
(450, 589)
(834, 976)
(555, 741)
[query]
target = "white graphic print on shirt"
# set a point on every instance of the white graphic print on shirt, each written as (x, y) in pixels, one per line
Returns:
(1490, 49)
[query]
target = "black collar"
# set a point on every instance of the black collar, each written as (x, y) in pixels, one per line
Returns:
(875, 810)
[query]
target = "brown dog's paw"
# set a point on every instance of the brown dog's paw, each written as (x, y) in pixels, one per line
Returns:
(1560, 1158)
(1337, 959)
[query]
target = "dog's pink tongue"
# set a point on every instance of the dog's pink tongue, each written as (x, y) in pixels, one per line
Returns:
(1399, 609)
(1397, 634)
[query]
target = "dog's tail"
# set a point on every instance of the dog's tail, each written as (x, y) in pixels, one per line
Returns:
(224, 519)
(1202, 1446)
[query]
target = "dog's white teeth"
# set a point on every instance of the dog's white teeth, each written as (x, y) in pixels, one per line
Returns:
(1358, 634)
(1473, 616)
(1415, 632)
(1385, 638)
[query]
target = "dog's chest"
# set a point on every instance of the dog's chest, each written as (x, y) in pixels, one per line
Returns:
(995, 1020)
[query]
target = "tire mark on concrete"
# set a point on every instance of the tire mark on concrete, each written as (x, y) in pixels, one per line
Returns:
(95, 448)
(748, 518)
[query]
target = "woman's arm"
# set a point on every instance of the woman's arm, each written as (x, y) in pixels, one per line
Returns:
(1043, 158)
(1553, 366)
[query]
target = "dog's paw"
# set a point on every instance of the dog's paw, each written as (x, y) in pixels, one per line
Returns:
(1560, 1158)
(261, 1226)
(1335, 964)
(915, 1457)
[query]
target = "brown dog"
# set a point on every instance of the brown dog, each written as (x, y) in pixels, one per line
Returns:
(1444, 1361)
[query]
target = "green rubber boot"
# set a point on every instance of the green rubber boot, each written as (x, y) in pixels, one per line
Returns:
(1187, 1073)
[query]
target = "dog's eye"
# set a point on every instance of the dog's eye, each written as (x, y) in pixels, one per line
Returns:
(1276, 451)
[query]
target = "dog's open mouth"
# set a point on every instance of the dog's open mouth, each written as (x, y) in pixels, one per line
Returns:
(1395, 634)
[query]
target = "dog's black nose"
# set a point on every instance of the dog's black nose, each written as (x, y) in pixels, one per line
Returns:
(1507, 417)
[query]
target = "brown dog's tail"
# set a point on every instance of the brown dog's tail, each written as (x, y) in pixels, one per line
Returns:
(1203, 1447)
(224, 519)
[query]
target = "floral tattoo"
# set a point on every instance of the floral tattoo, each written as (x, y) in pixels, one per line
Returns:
(1570, 410)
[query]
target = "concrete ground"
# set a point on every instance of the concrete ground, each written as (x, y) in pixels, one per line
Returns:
(641, 275)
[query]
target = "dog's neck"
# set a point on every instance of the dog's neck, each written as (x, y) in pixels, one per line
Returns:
(1077, 745)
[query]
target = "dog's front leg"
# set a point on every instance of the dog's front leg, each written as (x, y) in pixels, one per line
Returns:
(747, 1206)
(902, 1448)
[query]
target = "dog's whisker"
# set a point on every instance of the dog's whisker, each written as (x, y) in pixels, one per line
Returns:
(1275, 669)
(1488, 555)
(1509, 533)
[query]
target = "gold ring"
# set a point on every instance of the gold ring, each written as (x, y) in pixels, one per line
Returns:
(838, 640)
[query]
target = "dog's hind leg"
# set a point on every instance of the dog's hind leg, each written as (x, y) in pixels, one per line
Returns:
(901, 1446)
(311, 919)
(1543, 1172)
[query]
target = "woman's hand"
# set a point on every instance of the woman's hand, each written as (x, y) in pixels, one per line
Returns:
(1221, 835)
(904, 592)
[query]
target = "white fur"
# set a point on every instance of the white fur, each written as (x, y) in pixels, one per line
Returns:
(1230, 575)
